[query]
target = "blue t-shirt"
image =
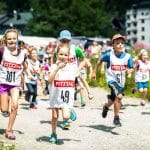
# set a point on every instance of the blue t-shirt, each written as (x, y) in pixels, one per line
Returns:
(106, 58)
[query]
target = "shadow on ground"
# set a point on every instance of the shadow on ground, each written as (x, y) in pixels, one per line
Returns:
(124, 106)
(59, 142)
(102, 128)
(2, 131)
(24, 106)
(60, 123)
(145, 113)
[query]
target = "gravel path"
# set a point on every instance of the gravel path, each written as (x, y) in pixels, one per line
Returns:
(89, 132)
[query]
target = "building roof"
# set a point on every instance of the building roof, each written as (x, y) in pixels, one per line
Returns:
(144, 4)
(18, 19)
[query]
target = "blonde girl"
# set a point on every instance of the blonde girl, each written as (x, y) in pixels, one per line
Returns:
(12, 63)
(62, 78)
(142, 68)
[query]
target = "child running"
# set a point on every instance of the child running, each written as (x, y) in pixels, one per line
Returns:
(31, 84)
(84, 64)
(142, 68)
(62, 78)
(74, 53)
(118, 62)
(12, 63)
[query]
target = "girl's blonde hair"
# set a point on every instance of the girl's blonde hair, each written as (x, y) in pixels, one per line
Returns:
(2, 44)
(62, 46)
(32, 49)
(143, 51)
(8, 31)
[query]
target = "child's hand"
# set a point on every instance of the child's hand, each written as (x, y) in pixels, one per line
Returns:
(90, 96)
(129, 75)
(102, 70)
(61, 65)
(94, 76)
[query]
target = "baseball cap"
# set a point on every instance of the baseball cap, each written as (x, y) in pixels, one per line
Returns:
(65, 34)
(118, 36)
(40, 53)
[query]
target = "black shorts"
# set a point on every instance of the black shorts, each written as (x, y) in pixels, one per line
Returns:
(115, 90)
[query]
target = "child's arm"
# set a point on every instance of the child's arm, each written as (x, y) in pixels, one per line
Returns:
(103, 67)
(129, 72)
(90, 67)
(90, 96)
(95, 69)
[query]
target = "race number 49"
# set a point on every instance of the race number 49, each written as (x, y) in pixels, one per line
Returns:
(65, 96)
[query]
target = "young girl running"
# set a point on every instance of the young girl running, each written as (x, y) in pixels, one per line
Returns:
(31, 84)
(84, 64)
(12, 63)
(142, 68)
(62, 78)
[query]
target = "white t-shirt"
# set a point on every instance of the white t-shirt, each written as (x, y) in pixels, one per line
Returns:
(117, 70)
(33, 69)
(63, 87)
(142, 72)
(11, 68)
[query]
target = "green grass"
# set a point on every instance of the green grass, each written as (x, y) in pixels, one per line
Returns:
(5, 146)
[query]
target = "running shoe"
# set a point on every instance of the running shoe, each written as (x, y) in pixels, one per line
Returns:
(33, 106)
(105, 111)
(142, 103)
(35, 102)
(83, 105)
(66, 125)
(73, 115)
(6, 114)
(53, 138)
(133, 90)
(117, 121)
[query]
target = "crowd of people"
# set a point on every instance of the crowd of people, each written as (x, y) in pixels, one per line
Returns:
(60, 71)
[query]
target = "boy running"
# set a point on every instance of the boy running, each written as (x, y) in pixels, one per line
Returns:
(118, 62)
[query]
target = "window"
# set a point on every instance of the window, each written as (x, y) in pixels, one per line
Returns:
(134, 40)
(128, 24)
(135, 31)
(134, 24)
(143, 29)
(134, 15)
(142, 37)
(142, 20)
(128, 32)
(128, 16)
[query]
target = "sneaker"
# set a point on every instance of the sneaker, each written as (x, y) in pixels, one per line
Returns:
(65, 125)
(73, 115)
(133, 90)
(33, 106)
(83, 105)
(142, 103)
(104, 112)
(108, 97)
(6, 114)
(35, 102)
(53, 138)
(117, 121)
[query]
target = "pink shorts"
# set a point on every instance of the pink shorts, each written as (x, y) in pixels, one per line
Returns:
(4, 88)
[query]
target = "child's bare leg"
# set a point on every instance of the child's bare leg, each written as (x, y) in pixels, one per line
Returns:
(55, 116)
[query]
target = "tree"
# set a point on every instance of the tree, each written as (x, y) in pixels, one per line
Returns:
(81, 17)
